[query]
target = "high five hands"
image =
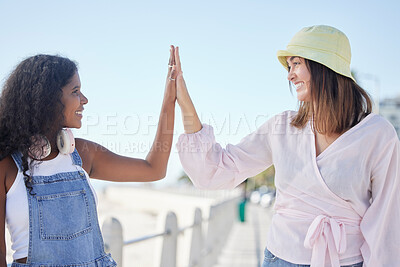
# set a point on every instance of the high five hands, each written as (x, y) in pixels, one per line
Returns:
(190, 119)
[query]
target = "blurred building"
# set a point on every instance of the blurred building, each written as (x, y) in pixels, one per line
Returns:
(390, 109)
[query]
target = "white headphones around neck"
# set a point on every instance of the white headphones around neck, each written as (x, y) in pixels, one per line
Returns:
(65, 141)
(65, 144)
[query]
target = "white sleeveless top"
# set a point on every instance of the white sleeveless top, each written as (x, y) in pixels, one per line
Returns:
(17, 211)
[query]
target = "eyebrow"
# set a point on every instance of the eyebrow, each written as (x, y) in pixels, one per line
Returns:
(291, 58)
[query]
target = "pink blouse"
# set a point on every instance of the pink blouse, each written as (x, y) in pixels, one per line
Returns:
(338, 208)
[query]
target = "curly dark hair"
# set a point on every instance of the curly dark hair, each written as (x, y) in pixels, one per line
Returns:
(30, 104)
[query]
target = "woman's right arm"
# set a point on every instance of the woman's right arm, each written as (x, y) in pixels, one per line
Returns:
(191, 121)
(208, 165)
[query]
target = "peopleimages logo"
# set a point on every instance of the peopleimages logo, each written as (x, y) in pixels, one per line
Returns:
(113, 123)
(132, 134)
(134, 124)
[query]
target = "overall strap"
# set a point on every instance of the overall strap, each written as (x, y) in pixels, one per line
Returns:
(17, 157)
(76, 159)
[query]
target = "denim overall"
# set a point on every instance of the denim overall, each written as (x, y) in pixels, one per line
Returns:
(63, 225)
(270, 260)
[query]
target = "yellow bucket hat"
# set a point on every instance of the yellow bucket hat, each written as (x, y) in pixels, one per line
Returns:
(323, 44)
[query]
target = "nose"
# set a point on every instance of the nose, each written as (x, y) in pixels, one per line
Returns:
(290, 75)
(84, 99)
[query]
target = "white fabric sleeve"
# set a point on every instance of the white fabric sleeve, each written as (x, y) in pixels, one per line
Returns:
(210, 166)
(380, 225)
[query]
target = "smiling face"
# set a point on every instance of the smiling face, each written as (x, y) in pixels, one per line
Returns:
(300, 77)
(73, 101)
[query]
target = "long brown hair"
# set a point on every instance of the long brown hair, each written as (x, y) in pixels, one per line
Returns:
(337, 102)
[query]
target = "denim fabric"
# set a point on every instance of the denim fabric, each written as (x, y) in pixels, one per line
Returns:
(63, 225)
(270, 260)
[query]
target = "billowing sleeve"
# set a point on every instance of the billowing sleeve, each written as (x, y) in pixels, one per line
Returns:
(210, 166)
(380, 225)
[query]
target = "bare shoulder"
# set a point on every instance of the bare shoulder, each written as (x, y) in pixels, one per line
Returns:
(87, 150)
(83, 146)
(8, 172)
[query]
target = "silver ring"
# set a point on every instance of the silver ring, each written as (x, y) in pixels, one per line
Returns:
(171, 79)
(170, 66)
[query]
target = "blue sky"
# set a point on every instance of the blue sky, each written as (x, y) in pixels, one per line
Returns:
(228, 51)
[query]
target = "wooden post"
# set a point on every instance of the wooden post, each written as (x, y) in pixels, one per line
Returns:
(170, 242)
(196, 247)
(211, 238)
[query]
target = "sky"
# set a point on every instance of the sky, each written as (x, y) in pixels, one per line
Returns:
(228, 52)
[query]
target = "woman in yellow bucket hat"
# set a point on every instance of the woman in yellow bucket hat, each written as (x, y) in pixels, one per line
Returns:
(337, 165)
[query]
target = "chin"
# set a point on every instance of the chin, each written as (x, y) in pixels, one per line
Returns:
(303, 98)
(73, 126)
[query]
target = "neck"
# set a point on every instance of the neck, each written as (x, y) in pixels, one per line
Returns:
(52, 155)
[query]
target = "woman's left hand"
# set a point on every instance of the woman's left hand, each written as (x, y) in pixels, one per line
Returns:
(170, 87)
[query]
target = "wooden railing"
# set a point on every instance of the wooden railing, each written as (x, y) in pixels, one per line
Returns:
(208, 236)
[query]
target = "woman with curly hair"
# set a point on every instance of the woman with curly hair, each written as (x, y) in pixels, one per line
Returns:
(46, 198)
(337, 165)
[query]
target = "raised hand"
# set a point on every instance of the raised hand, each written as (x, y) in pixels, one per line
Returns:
(190, 119)
(181, 89)
(170, 87)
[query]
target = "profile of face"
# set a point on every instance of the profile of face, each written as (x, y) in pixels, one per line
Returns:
(300, 77)
(73, 101)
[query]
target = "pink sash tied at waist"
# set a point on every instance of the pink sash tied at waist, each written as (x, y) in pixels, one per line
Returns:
(326, 234)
